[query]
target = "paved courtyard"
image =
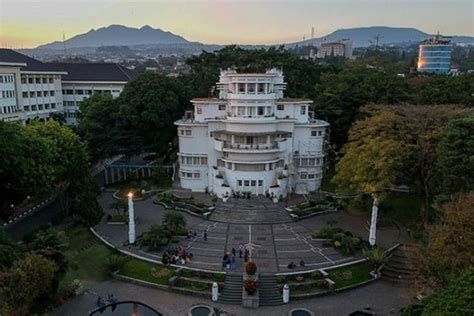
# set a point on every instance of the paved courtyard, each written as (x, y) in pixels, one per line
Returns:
(273, 244)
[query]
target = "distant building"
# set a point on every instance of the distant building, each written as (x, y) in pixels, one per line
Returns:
(251, 139)
(434, 55)
(30, 89)
(339, 48)
(85, 79)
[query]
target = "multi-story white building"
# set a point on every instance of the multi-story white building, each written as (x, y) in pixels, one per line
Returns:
(251, 139)
(85, 79)
(339, 48)
(30, 89)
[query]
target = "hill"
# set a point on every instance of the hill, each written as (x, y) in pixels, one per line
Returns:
(118, 35)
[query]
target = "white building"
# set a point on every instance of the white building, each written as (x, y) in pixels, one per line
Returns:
(251, 139)
(339, 48)
(30, 89)
(85, 79)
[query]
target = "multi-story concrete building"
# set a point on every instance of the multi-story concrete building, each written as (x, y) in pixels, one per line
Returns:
(434, 55)
(251, 139)
(85, 79)
(30, 89)
(339, 48)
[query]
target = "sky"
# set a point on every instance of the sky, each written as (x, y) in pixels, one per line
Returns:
(29, 23)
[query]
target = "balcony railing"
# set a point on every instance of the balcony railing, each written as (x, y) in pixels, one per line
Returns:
(272, 145)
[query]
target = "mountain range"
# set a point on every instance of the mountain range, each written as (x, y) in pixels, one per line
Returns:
(119, 35)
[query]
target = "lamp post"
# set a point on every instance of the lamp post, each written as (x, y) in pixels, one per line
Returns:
(373, 222)
(131, 219)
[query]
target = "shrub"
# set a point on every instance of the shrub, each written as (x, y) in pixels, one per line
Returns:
(218, 277)
(250, 286)
(251, 268)
(174, 222)
(377, 257)
(316, 275)
(187, 273)
(350, 244)
(327, 232)
(281, 279)
(114, 262)
(154, 238)
(323, 284)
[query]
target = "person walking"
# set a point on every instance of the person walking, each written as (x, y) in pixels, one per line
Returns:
(232, 261)
(225, 260)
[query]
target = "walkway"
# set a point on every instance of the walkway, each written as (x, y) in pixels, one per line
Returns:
(382, 297)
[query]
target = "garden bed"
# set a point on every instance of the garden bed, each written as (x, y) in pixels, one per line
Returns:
(351, 275)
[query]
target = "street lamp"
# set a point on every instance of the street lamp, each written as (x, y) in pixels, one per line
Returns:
(131, 219)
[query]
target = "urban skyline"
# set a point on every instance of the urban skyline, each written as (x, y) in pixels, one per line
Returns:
(225, 22)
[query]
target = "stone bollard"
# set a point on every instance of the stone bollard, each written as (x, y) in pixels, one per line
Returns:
(286, 294)
(215, 292)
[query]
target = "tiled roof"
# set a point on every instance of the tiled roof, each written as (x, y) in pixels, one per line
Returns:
(95, 72)
(75, 71)
(11, 56)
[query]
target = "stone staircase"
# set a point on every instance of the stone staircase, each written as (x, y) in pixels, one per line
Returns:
(268, 289)
(232, 292)
(398, 270)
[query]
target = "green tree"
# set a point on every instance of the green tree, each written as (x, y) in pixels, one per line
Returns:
(9, 250)
(27, 281)
(455, 157)
(97, 118)
(174, 222)
(449, 249)
(148, 107)
(154, 238)
(51, 244)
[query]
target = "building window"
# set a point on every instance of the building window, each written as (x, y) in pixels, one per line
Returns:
(251, 88)
(23, 80)
(311, 176)
(88, 92)
(25, 94)
(303, 110)
(221, 107)
(261, 88)
(53, 105)
(241, 88)
(51, 93)
(280, 107)
(303, 176)
(30, 80)
(45, 80)
(239, 183)
(38, 80)
(26, 108)
(32, 94)
(80, 92)
(197, 175)
(188, 132)
(198, 110)
(69, 92)
(51, 80)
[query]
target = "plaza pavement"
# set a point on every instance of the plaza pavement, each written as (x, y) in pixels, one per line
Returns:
(272, 245)
(382, 297)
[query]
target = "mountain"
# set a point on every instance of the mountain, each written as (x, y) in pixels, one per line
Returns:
(365, 36)
(118, 35)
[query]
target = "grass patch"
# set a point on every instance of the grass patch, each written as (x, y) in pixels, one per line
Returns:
(87, 257)
(198, 287)
(350, 275)
(146, 271)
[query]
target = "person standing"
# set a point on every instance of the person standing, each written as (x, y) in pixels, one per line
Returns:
(232, 261)
(204, 235)
(246, 255)
(241, 250)
(233, 251)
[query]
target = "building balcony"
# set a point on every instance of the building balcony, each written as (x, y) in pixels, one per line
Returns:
(251, 96)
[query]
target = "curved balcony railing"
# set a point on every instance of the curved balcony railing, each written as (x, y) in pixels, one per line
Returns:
(272, 145)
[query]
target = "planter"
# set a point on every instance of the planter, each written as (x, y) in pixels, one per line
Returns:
(250, 301)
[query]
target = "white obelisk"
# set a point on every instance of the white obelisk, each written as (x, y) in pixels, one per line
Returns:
(373, 222)
(131, 220)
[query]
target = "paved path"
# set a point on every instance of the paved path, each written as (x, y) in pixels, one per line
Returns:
(272, 246)
(382, 297)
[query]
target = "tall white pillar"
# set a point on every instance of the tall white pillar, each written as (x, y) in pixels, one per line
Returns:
(131, 219)
(373, 222)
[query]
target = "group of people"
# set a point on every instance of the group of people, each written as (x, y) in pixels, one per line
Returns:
(292, 265)
(176, 256)
(230, 258)
(193, 235)
(112, 299)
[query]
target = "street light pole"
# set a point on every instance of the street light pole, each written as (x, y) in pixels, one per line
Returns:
(131, 220)
(373, 222)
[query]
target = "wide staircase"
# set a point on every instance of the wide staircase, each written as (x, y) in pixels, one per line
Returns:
(232, 292)
(399, 270)
(268, 290)
(256, 210)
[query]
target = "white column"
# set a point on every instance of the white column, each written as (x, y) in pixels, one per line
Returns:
(131, 220)
(373, 222)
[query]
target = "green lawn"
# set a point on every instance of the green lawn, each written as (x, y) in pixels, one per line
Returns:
(350, 275)
(87, 257)
(146, 271)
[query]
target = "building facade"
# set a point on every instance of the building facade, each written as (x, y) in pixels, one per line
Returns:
(30, 89)
(434, 56)
(251, 139)
(339, 48)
